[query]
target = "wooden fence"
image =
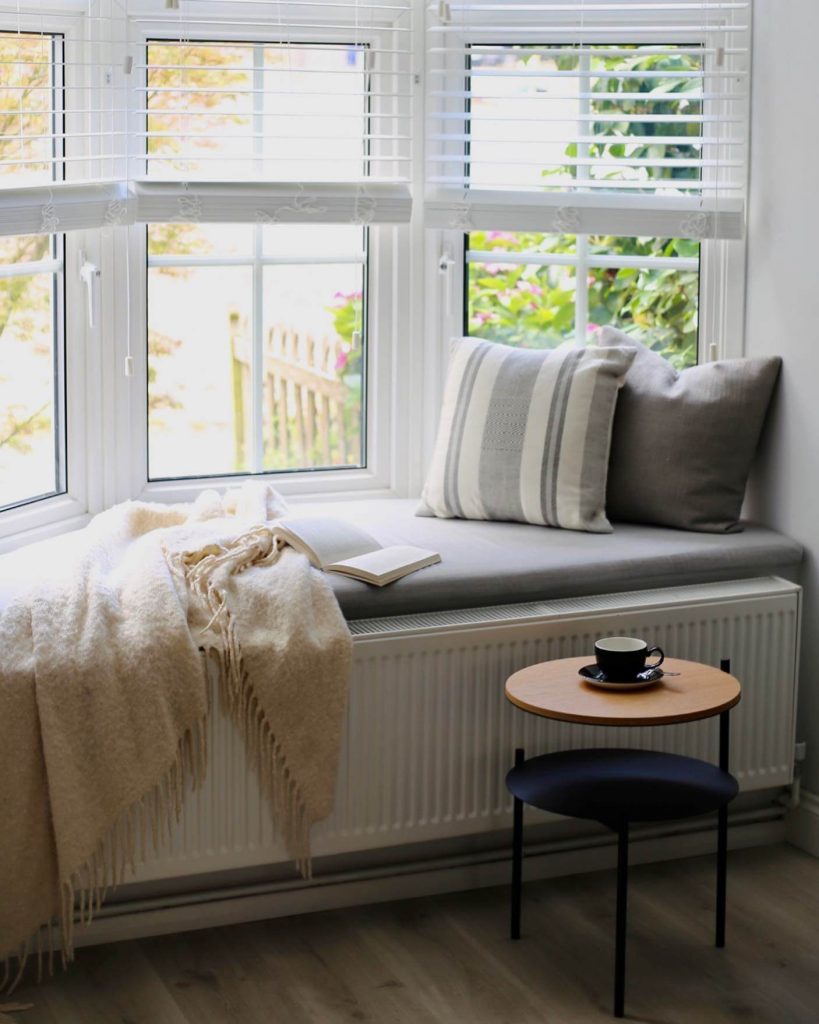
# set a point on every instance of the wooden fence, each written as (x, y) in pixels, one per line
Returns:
(306, 420)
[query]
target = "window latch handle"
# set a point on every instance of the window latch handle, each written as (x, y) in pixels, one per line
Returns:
(445, 265)
(90, 275)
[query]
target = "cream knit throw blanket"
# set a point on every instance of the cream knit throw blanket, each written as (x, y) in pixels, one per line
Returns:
(103, 696)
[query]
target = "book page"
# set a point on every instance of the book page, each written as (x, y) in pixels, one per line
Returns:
(385, 564)
(325, 541)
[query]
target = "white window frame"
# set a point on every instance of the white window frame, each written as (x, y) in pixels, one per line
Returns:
(382, 475)
(78, 359)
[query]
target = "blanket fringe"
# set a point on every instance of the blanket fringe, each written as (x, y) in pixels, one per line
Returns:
(155, 813)
(265, 753)
(121, 847)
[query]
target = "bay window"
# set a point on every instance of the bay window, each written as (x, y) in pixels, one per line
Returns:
(233, 242)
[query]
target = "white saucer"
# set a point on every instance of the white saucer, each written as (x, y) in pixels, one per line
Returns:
(638, 684)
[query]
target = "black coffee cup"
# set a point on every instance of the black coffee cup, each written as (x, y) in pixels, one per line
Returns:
(623, 658)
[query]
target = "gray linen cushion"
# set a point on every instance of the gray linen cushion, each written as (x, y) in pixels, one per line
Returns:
(487, 564)
(683, 441)
(524, 435)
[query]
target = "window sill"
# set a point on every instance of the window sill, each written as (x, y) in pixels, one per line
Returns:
(56, 516)
(40, 520)
(329, 485)
(25, 535)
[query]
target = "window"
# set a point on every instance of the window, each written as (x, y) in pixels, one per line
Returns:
(207, 265)
(257, 333)
(256, 348)
(32, 355)
(625, 118)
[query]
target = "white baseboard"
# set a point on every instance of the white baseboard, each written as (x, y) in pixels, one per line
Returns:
(802, 824)
(215, 908)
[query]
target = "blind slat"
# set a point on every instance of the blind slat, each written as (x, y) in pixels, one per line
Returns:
(614, 140)
(619, 215)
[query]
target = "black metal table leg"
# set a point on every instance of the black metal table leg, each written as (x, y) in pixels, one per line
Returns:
(620, 938)
(722, 822)
(517, 856)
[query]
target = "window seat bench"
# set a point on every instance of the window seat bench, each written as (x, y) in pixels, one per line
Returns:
(421, 805)
(503, 563)
(508, 563)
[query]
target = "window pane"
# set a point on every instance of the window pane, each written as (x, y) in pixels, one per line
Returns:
(239, 110)
(26, 98)
(29, 368)
(521, 304)
(522, 241)
(32, 463)
(658, 306)
(317, 240)
(518, 302)
(314, 366)
(548, 117)
(200, 240)
(197, 339)
(230, 393)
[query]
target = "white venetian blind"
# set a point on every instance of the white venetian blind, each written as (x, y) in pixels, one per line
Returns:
(271, 110)
(224, 110)
(63, 92)
(614, 117)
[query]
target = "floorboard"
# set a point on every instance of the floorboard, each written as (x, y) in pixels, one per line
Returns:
(448, 960)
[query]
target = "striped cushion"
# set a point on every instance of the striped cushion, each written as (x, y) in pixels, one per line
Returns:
(525, 435)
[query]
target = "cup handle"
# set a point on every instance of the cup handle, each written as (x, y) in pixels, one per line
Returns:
(655, 650)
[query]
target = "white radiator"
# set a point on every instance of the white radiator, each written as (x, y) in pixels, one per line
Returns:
(430, 736)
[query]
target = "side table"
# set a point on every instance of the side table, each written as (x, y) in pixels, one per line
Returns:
(619, 786)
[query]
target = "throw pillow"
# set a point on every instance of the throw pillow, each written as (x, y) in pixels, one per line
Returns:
(524, 435)
(684, 441)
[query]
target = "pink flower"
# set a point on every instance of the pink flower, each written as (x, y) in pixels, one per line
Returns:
(590, 327)
(342, 298)
(482, 317)
(493, 268)
(529, 286)
(500, 236)
(341, 360)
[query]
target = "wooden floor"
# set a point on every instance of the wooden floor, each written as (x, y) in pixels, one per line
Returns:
(447, 960)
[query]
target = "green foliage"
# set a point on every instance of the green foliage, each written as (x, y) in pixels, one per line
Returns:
(347, 313)
(532, 306)
(176, 72)
(24, 300)
(646, 96)
(160, 346)
(18, 425)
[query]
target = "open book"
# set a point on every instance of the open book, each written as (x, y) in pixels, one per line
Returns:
(337, 546)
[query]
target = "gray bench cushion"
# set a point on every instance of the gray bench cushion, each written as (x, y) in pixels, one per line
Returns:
(501, 563)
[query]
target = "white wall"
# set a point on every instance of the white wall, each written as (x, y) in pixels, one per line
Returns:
(782, 306)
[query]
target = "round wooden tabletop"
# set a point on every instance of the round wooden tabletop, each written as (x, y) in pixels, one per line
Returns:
(686, 692)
